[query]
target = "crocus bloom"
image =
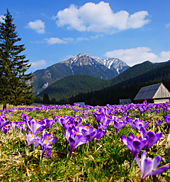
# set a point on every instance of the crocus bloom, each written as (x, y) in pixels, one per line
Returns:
(148, 166)
(140, 123)
(14, 124)
(158, 122)
(151, 136)
(31, 138)
(132, 123)
(167, 119)
(35, 126)
(118, 123)
(49, 122)
(3, 121)
(105, 121)
(134, 143)
(75, 137)
(5, 129)
(92, 132)
(46, 141)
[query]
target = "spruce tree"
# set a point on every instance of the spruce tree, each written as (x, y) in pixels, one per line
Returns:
(14, 87)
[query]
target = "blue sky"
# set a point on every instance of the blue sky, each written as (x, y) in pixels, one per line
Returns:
(53, 31)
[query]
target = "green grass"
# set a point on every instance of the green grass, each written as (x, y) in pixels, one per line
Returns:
(107, 160)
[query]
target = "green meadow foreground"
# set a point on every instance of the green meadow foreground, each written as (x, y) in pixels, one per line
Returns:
(108, 159)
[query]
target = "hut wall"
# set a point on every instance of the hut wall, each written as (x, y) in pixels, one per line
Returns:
(161, 100)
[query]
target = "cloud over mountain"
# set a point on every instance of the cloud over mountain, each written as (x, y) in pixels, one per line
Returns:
(38, 64)
(137, 55)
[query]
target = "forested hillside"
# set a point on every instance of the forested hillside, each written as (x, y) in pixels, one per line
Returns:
(126, 89)
(134, 71)
(73, 85)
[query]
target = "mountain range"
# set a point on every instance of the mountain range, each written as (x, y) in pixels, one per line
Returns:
(80, 64)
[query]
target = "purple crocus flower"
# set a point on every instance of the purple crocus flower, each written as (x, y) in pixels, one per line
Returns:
(105, 121)
(76, 137)
(118, 123)
(140, 123)
(3, 121)
(151, 136)
(100, 132)
(31, 138)
(35, 126)
(49, 122)
(167, 119)
(134, 143)
(5, 129)
(132, 123)
(62, 120)
(148, 166)
(158, 122)
(46, 141)
(92, 132)
(14, 124)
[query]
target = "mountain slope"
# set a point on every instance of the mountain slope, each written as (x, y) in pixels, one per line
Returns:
(78, 64)
(128, 88)
(73, 85)
(134, 71)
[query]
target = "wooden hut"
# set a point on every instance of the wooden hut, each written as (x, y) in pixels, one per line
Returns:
(156, 93)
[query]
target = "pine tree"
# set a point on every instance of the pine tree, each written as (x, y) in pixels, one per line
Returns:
(14, 87)
(46, 99)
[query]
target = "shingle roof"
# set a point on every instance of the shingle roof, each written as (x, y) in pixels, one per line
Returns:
(152, 91)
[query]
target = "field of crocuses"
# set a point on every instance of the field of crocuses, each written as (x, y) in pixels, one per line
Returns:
(89, 143)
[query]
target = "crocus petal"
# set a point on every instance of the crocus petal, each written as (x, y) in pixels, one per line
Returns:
(143, 132)
(48, 152)
(156, 162)
(146, 168)
(160, 170)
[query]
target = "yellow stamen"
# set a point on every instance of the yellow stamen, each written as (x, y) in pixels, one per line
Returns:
(87, 127)
(46, 141)
(97, 112)
(94, 129)
(48, 137)
(77, 133)
(152, 131)
(138, 136)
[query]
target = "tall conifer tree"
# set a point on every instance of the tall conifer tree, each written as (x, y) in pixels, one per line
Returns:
(14, 87)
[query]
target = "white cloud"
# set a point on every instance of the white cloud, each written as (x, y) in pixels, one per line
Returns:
(38, 64)
(99, 18)
(167, 25)
(81, 38)
(55, 40)
(1, 16)
(37, 25)
(96, 36)
(138, 55)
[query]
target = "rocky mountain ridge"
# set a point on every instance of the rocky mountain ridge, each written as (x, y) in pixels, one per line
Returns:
(80, 64)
